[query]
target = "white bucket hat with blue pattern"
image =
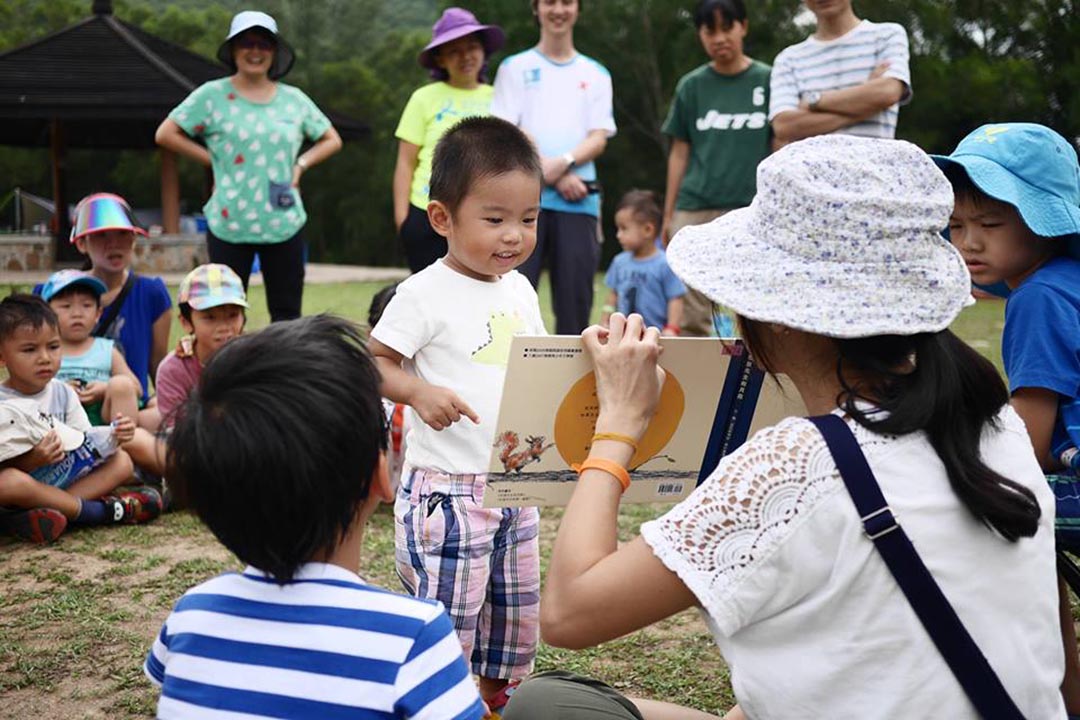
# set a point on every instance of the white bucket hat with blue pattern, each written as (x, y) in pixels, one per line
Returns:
(842, 239)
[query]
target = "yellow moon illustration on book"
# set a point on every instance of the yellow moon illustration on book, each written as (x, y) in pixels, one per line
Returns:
(575, 421)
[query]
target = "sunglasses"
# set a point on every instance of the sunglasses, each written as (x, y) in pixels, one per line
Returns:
(253, 43)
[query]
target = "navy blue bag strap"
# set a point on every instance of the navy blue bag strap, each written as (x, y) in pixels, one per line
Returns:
(112, 312)
(963, 656)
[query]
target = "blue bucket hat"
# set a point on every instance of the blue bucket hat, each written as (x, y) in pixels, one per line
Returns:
(1030, 167)
(63, 279)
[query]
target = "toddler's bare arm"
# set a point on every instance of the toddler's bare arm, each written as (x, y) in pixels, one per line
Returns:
(439, 407)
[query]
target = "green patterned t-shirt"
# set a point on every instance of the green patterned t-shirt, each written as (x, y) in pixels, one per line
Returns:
(253, 148)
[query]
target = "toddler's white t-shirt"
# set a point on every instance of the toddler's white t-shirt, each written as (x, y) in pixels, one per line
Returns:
(457, 331)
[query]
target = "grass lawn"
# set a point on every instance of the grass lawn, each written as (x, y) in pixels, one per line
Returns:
(77, 618)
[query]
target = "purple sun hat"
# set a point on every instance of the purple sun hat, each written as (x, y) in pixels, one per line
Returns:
(457, 23)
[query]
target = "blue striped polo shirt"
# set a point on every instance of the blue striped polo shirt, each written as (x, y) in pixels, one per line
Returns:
(326, 645)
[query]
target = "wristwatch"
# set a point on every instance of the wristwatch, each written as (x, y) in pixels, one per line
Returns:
(570, 161)
(301, 163)
(813, 98)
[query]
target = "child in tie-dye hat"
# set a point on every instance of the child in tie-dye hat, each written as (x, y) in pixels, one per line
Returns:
(212, 312)
(213, 309)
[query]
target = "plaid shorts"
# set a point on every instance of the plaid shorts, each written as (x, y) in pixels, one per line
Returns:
(483, 564)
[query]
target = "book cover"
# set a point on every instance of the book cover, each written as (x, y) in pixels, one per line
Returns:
(714, 398)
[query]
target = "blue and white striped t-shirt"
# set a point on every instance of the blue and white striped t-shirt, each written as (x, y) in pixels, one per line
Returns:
(842, 63)
(324, 646)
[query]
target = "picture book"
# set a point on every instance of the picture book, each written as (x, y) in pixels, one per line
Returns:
(712, 400)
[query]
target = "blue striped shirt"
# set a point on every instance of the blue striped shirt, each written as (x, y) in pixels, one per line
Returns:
(324, 646)
(842, 63)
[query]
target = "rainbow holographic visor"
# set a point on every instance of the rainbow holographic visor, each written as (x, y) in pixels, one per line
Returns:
(100, 212)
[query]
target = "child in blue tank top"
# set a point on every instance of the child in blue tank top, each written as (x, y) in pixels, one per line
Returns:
(93, 366)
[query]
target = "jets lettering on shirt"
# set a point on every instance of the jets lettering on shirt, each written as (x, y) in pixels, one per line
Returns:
(736, 121)
(731, 121)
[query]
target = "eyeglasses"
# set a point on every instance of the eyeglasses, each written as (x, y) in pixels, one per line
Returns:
(254, 43)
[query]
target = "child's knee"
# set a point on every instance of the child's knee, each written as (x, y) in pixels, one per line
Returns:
(12, 482)
(119, 466)
(121, 387)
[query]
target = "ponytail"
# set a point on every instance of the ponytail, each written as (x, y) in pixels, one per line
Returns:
(953, 393)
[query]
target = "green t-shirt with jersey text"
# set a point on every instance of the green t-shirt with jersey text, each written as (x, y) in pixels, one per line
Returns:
(724, 118)
(253, 148)
(430, 112)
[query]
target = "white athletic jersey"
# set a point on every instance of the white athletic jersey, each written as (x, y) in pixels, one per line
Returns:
(557, 104)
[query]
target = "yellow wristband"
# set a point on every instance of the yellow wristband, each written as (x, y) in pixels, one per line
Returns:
(609, 466)
(617, 437)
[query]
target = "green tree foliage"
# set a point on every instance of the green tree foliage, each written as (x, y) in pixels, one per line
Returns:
(973, 61)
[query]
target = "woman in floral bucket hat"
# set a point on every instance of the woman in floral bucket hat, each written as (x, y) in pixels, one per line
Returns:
(249, 128)
(841, 280)
(456, 59)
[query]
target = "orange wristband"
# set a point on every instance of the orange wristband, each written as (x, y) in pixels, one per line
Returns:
(609, 466)
(617, 437)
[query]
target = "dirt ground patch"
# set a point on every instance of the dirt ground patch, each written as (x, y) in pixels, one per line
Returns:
(77, 619)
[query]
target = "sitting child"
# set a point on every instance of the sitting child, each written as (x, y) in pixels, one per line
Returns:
(135, 308)
(395, 412)
(639, 277)
(285, 469)
(45, 486)
(212, 305)
(212, 312)
(92, 365)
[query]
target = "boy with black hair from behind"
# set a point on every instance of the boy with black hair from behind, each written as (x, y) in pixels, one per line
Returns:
(285, 469)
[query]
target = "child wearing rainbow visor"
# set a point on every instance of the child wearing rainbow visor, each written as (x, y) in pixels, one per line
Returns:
(134, 308)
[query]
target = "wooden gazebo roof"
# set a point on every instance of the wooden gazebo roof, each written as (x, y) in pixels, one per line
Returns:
(106, 84)
(109, 82)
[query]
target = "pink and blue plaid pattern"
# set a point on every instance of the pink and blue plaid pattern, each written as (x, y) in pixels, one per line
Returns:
(483, 564)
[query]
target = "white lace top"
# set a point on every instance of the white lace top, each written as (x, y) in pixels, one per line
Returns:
(806, 612)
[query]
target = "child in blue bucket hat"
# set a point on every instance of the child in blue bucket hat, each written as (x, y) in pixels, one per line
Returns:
(1017, 221)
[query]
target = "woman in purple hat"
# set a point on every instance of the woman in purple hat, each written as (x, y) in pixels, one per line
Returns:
(457, 59)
